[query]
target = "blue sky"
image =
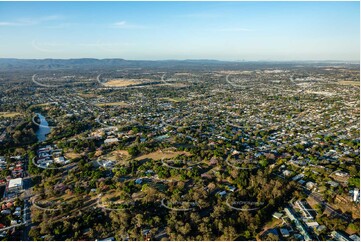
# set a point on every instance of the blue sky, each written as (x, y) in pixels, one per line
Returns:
(181, 30)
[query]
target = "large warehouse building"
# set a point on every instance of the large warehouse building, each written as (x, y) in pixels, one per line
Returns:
(15, 185)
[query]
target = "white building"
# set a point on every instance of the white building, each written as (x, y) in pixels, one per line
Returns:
(111, 141)
(108, 164)
(15, 185)
(356, 193)
(341, 173)
(286, 173)
(310, 185)
(59, 160)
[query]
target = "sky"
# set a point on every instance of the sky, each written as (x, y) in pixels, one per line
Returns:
(181, 30)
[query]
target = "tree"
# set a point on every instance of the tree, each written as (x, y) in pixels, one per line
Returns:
(133, 151)
(229, 234)
(34, 233)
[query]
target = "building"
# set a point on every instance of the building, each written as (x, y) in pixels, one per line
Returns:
(286, 173)
(356, 193)
(304, 210)
(300, 227)
(59, 160)
(338, 236)
(107, 239)
(310, 185)
(312, 224)
(6, 211)
(277, 215)
(222, 193)
(354, 237)
(297, 177)
(231, 188)
(108, 164)
(320, 228)
(333, 183)
(15, 185)
(341, 173)
(111, 141)
(285, 233)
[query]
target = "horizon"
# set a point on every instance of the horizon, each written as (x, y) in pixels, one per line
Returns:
(224, 31)
(195, 59)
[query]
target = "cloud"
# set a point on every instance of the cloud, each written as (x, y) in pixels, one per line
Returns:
(121, 24)
(29, 21)
(17, 23)
(125, 25)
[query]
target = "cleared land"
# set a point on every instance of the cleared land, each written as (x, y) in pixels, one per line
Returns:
(42, 104)
(347, 207)
(351, 83)
(72, 155)
(118, 155)
(122, 82)
(158, 155)
(112, 196)
(271, 224)
(9, 114)
(321, 93)
(123, 104)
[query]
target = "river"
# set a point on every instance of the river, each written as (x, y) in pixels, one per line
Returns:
(43, 128)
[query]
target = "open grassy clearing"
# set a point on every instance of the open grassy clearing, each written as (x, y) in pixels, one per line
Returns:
(351, 83)
(175, 99)
(9, 114)
(72, 155)
(122, 82)
(348, 207)
(123, 104)
(158, 155)
(271, 224)
(56, 202)
(118, 155)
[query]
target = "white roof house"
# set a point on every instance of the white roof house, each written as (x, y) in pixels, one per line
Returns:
(15, 184)
(310, 185)
(110, 141)
(59, 160)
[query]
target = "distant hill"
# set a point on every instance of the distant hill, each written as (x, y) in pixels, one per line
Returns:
(50, 64)
(90, 63)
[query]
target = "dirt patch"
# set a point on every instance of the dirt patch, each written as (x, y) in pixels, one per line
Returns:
(72, 155)
(122, 82)
(123, 104)
(348, 207)
(176, 99)
(340, 178)
(9, 114)
(158, 155)
(351, 83)
(271, 224)
(117, 155)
